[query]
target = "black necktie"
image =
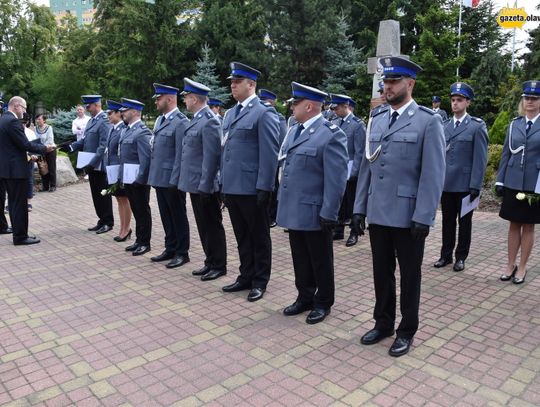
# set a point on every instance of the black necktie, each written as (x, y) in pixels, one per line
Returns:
(238, 109)
(457, 124)
(529, 125)
(393, 119)
(298, 131)
(341, 122)
(160, 121)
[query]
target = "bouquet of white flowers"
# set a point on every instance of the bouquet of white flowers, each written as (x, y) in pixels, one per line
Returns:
(531, 198)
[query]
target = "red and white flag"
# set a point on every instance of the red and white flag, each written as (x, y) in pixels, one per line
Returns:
(471, 3)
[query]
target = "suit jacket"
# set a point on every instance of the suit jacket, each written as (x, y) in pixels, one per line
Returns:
(355, 130)
(111, 152)
(250, 149)
(134, 148)
(201, 154)
(314, 176)
(405, 182)
(13, 148)
(443, 114)
(466, 154)
(520, 171)
(95, 139)
(166, 149)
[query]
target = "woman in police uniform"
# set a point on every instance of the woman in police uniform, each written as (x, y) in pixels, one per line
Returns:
(518, 172)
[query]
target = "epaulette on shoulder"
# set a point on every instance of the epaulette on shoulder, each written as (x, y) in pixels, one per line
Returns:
(181, 115)
(357, 119)
(477, 119)
(378, 112)
(265, 104)
(333, 128)
(517, 118)
(427, 109)
(209, 115)
(447, 120)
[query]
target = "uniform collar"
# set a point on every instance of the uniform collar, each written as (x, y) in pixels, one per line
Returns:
(461, 119)
(166, 115)
(533, 120)
(134, 123)
(401, 109)
(199, 111)
(249, 99)
(309, 122)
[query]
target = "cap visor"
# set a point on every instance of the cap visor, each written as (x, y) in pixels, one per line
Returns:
(529, 95)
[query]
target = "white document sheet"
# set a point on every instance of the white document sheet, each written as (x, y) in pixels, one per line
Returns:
(113, 172)
(349, 169)
(84, 158)
(130, 173)
(467, 205)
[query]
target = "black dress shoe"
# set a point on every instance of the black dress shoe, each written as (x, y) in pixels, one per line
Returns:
(374, 336)
(400, 346)
(163, 256)
(352, 240)
(459, 265)
(7, 231)
(52, 189)
(317, 315)
(123, 239)
(519, 280)
(255, 294)
(273, 224)
(234, 287)
(178, 261)
(296, 308)
(132, 247)
(95, 228)
(442, 262)
(213, 274)
(27, 241)
(142, 249)
(202, 271)
(103, 229)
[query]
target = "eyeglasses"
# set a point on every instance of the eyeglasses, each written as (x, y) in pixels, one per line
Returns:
(23, 106)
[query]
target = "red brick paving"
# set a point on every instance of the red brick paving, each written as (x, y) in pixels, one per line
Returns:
(84, 323)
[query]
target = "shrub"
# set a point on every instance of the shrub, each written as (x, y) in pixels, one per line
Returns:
(62, 125)
(497, 132)
(494, 156)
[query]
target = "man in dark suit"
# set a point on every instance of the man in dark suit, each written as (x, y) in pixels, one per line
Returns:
(95, 141)
(399, 186)
(248, 170)
(14, 169)
(164, 171)
(199, 163)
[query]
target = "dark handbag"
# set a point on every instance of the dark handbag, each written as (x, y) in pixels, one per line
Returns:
(43, 167)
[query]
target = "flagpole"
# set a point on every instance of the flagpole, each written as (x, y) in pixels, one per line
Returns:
(459, 36)
(513, 44)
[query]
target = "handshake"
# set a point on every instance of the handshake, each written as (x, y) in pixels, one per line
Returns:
(50, 147)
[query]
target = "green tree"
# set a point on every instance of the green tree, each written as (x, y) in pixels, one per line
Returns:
(531, 66)
(342, 61)
(206, 74)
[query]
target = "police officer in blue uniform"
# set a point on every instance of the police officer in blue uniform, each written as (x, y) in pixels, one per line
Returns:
(355, 130)
(466, 160)
(436, 105)
(379, 104)
(163, 175)
(134, 148)
(111, 158)
(399, 187)
(312, 185)
(270, 98)
(216, 107)
(248, 168)
(518, 173)
(95, 141)
(199, 165)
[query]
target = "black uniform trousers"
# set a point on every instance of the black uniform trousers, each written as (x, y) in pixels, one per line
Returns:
(102, 204)
(347, 204)
(451, 209)
(313, 261)
(211, 232)
(139, 200)
(385, 242)
(3, 221)
(172, 210)
(252, 232)
(49, 180)
(17, 191)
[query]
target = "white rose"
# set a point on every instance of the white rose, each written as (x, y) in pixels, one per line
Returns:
(520, 196)
(103, 192)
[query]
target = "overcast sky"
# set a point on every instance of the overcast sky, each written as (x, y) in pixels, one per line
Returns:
(521, 35)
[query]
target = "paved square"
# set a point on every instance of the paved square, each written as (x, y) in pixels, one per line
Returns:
(84, 323)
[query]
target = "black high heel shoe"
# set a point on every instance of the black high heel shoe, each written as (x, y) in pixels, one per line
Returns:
(504, 277)
(123, 239)
(519, 280)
